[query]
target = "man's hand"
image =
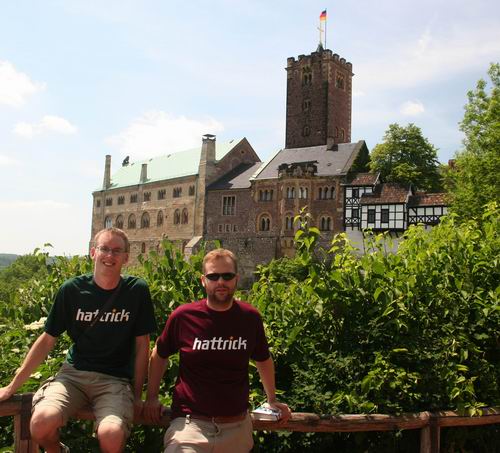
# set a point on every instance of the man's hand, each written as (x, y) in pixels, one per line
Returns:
(138, 407)
(153, 410)
(5, 393)
(283, 408)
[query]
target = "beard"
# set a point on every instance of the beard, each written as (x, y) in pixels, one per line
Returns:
(220, 296)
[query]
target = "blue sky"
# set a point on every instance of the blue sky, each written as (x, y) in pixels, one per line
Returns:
(80, 79)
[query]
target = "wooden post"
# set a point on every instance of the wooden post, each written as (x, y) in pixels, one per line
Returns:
(435, 433)
(22, 436)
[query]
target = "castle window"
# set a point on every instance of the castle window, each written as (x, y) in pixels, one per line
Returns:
(228, 205)
(191, 191)
(303, 192)
(288, 223)
(177, 192)
(133, 198)
(266, 195)
(340, 81)
(108, 222)
(131, 221)
(332, 192)
(143, 247)
(371, 215)
(306, 76)
(227, 227)
(121, 199)
(161, 194)
(342, 134)
(306, 131)
(98, 203)
(185, 216)
(145, 220)
(265, 223)
(109, 202)
(159, 218)
(220, 227)
(325, 224)
(306, 105)
(290, 192)
(147, 196)
(384, 215)
(235, 228)
(177, 217)
(119, 222)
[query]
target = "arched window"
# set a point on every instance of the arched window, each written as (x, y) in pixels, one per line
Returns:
(185, 216)
(326, 224)
(289, 223)
(332, 192)
(159, 218)
(145, 220)
(177, 217)
(303, 192)
(131, 221)
(265, 223)
(108, 222)
(119, 222)
(290, 192)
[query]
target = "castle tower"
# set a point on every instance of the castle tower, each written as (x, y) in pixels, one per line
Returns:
(318, 99)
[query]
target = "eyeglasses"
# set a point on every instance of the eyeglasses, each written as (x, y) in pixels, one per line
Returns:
(108, 251)
(226, 276)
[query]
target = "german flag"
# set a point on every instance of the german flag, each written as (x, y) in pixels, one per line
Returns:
(322, 16)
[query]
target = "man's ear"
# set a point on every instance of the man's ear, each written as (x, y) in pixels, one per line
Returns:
(203, 281)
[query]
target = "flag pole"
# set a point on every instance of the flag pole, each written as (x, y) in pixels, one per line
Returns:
(326, 20)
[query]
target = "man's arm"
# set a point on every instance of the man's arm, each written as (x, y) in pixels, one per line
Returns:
(36, 355)
(157, 366)
(140, 369)
(266, 373)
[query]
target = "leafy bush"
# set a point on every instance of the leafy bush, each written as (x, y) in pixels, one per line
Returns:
(390, 333)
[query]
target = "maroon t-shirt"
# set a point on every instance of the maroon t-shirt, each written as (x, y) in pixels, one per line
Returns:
(215, 348)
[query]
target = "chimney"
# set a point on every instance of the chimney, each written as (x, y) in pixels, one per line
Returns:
(144, 173)
(208, 148)
(107, 173)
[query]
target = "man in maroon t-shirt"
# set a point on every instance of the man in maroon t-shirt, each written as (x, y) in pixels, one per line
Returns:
(215, 337)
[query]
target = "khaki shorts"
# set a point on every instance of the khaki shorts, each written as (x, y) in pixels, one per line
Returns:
(110, 398)
(200, 436)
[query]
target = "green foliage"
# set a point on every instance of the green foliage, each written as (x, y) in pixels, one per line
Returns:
(391, 333)
(475, 178)
(6, 259)
(407, 157)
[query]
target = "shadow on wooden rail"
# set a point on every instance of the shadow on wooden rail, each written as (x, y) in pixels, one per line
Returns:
(429, 423)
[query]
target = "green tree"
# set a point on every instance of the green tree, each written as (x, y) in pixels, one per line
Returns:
(474, 180)
(407, 157)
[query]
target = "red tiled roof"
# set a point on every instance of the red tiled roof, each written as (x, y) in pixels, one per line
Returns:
(387, 193)
(363, 179)
(428, 199)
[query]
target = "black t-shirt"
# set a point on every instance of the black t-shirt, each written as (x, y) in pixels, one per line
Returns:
(109, 346)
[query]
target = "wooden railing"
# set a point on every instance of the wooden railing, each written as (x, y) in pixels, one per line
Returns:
(429, 423)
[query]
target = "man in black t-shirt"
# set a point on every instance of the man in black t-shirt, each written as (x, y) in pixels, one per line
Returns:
(109, 318)
(216, 338)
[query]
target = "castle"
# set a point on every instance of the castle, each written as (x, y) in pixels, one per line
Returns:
(222, 191)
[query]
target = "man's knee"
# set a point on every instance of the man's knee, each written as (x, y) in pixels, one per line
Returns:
(112, 437)
(45, 421)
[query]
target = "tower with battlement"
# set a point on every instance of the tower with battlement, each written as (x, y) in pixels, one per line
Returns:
(318, 100)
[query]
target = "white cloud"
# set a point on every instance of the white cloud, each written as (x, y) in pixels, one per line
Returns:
(38, 206)
(412, 108)
(15, 86)
(434, 55)
(157, 132)
(7, 161)
(48, 124)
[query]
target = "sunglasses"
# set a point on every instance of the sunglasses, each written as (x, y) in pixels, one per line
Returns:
(226, 276)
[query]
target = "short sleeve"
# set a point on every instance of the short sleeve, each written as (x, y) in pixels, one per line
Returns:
(146, 322)
(167, 343)
(56, 319)
(261, 350)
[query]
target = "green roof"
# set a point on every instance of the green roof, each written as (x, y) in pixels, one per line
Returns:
(169, 166)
